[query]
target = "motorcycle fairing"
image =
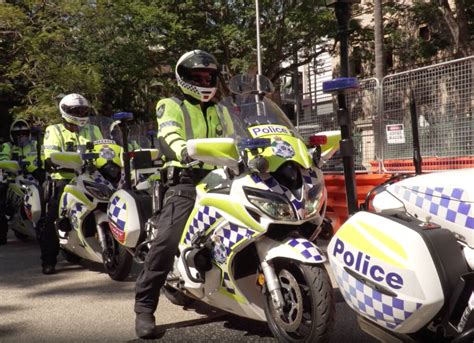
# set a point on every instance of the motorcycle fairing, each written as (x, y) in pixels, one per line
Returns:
(297, 249)
(117, 214)
(445, 205)
(385, 272)
(203, 219)
(310, 180)
(283, 148)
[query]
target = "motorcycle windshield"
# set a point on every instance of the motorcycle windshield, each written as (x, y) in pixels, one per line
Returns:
(106, 135)
(142, 136)
(248, 113)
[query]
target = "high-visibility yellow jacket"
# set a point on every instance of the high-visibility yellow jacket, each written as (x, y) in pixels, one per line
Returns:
(27, 153)
(180, 120)
(59, 139)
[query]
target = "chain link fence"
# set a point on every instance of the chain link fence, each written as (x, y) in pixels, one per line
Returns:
(362, 105)
(444, 102)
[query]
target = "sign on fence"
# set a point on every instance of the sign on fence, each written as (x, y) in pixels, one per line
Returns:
(395, 134)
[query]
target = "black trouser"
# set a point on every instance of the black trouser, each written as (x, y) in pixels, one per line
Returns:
(47, 237)
(3, 209)
(160, 258)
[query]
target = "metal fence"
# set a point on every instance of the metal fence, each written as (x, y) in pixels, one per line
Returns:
(362, 105)
(444, 97)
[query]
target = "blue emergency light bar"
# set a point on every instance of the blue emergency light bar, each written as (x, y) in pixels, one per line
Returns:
(89, 156)
(254, 143)
(122, 116)
(340, 84)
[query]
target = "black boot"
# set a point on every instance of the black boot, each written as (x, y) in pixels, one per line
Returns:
(49, 269)
(145, 325)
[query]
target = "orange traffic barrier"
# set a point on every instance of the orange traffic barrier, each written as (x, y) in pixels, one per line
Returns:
(428, 164)
(336, 208)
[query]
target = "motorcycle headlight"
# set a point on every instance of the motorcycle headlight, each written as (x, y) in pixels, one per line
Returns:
(111, 172)
(98, 191)
(274, 205)
(314, 200)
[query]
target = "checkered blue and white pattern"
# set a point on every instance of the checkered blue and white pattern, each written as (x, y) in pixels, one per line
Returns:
(274, 186)
(203, 220)
(232, 234)
(117, 212)
(26, 201)
(227, 284)
(75, 213)
(98, 178)
(385, 310)
(442, 202)
(309, 176)
(306, 248)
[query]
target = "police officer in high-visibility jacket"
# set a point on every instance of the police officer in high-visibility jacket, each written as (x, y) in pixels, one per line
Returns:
(22, 149)
(192, 115)
(72, 134)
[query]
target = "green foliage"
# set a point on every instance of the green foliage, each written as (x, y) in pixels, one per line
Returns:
(120, 54)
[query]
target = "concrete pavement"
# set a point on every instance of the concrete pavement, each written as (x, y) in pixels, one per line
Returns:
(82, 304)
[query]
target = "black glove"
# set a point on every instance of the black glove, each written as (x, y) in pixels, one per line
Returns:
(185, 158)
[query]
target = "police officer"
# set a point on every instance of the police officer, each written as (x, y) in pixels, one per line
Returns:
(70, 135)
(192, 115)
(22, 149)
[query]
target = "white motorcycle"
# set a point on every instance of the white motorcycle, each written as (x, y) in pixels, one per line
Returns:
(247, 246)
(83, 203)
(408, 270)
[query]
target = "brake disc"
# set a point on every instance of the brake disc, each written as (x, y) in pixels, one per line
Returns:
(292, 315)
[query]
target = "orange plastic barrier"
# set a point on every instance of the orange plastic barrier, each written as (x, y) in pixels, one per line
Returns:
(336, 209)
(428, 164)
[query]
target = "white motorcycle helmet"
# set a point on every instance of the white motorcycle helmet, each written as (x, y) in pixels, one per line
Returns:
(75, 109)
(20, 132)
(200, 87)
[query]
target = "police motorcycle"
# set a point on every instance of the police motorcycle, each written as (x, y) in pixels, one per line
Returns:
(247, 246)
(24, 177)
(408, 269)
(140, 180)
(83, 203)
(15, 178)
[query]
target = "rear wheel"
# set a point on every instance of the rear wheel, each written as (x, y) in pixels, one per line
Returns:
(117, 260)
(309, 310)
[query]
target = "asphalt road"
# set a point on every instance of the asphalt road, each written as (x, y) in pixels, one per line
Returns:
(82, 304)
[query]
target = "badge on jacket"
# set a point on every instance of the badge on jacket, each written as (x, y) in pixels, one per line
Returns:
(160, 111)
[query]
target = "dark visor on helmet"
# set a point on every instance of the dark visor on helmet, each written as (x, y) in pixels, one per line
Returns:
(19, 133)
(76, 111)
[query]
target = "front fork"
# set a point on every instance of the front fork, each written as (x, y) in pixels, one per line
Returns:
(100, 218)
(271, 280)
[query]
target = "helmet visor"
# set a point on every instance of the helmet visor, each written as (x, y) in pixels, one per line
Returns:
(202, 77)
(76, 111)
(18, 133)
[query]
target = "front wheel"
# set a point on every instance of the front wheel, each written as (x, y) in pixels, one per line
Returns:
(117, 260)
(309, 310)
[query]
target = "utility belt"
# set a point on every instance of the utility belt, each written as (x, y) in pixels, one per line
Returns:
(176, 175)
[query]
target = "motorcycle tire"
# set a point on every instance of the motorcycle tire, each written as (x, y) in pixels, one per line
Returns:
(119, 261)
(176, 297)
(70, 257)
(309, 311)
